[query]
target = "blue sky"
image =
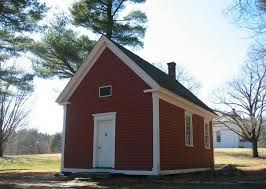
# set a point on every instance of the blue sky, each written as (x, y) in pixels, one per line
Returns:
(194, 33)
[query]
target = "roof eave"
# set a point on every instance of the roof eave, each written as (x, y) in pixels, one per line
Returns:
(179, 98)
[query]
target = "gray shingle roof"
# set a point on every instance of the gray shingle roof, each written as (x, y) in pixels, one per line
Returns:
(164, 80)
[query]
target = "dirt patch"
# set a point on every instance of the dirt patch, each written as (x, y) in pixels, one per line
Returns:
(191, 180)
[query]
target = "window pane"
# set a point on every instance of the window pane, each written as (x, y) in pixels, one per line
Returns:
(105, 91)
(188, 130)
(206, 135)
(187, 121)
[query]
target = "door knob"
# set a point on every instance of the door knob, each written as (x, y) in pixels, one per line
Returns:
(99, 147)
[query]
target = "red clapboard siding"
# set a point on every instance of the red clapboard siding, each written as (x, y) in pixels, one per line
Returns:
(133, 150)
(173, 152)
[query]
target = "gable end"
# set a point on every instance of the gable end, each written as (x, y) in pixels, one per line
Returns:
(103, 43)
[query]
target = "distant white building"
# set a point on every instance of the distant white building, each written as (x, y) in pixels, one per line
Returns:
(223, 137)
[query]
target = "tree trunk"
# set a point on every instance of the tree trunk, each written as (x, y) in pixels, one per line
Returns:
(1, 150)
(1, 140)
(1, 127)
(1, 143)
(109, 31)
(255, 148)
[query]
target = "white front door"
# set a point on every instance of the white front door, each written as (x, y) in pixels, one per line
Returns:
(105, 144)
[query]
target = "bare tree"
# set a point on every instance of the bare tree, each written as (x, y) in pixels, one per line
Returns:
(12, 115)
(186, 78)
(27, 141)
(15, 85)
(183, 76)
(244, 101)
(250, 14)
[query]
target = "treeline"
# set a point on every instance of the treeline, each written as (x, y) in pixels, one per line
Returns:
(31, 141)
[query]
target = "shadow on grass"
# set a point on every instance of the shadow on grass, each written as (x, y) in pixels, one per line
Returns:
(240, 155)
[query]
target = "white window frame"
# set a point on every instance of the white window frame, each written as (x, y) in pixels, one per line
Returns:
(105, 87)
(191, 128)
(209, 135)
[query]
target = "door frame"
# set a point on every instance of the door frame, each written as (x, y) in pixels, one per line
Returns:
(108, 116)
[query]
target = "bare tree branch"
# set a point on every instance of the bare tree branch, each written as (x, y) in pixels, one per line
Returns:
(244, 102)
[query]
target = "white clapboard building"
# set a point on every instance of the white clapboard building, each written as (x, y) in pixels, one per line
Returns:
(223, 137)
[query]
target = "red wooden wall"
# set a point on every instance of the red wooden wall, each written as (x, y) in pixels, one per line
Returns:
(133, 144)
(174, 153)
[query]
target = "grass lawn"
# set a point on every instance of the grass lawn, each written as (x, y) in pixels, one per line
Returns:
(51, 162)
(240, 157)
(36, 162)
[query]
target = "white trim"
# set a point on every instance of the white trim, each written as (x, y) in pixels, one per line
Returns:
(191, 128)
(63, 137)
(209, 133)
(82, 71)
(102, 117)
(169, 172)
(176, 100)
(156, 134)
(103, 43)
(105, 87)
(127, 172)
(65, 103)
(135, 172)
(150, 90)
(132, 65)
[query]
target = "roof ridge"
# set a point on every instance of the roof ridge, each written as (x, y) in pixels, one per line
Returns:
(120, 46)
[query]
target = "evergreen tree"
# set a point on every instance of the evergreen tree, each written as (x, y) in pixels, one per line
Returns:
(17, 19)
(61, 50)
(104, 17)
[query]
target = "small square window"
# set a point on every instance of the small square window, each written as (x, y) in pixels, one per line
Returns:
(105, 91)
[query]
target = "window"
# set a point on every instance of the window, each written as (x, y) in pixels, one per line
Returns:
(105, 91)
(218, 136)
(206, 135)
(188, 130)
(241, 139)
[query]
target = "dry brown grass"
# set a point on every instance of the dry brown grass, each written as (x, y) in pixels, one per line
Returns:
(31, 163)
(240, 157)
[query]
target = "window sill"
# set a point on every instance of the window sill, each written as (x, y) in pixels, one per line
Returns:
(105, 96)
(191, 146)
